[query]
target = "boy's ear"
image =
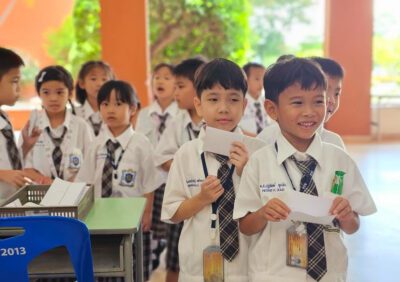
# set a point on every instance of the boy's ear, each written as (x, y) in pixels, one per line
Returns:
(271, 108)
(197, 105)
(133, 110)
(244, 104)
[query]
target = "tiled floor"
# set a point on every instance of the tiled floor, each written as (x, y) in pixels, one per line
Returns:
(374, 251)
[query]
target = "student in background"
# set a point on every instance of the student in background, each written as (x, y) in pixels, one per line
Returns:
(184, 127)
(201, 185)
(65, 137)
(12, 175)
(120, 161)
(92, 75)
(334, 74)
(255, 119)
(152, 121)
(298, 160)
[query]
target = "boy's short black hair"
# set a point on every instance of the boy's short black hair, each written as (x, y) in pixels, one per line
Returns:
(9, 60)
(124, 91)
(187, 68)
(285, 57)
(247, 67)
(220, 71)
(284, 74)
(330, 67)
(57, 73)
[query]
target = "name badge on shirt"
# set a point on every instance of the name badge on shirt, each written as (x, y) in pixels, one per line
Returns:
(128, 178)
(297, 245)
(74, 161)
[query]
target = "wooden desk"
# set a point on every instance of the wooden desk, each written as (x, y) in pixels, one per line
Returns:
(112, 223)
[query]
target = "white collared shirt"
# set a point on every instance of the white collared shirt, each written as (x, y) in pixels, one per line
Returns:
(184, 180)
(148, 121)
(174, 136)
(136, 174)
(248, 121)
(76, 142)
(267, 253)
(6, 189)
(270, 134)
(86, 112)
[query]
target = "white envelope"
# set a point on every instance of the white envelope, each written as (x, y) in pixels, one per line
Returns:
(309, 208)
(219, 141)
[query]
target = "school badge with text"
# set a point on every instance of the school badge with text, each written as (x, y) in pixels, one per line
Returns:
(74, 161)
(128, 178)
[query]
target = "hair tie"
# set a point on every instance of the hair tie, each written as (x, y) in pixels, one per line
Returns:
(41, 77)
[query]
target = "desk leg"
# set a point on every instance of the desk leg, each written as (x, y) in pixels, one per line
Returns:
(139, 254)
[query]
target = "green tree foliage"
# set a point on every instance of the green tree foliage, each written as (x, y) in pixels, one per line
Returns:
(184, 28)
(78, 40)
(269, 21)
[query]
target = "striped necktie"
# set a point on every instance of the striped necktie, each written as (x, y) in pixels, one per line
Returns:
(95, 125)
(228, 228)
(316, 267)
(162, 125)
(12, 150)
(259, 118)
(57, 153)
(106, 180)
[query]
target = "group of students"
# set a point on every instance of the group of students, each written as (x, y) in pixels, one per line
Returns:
(236, 203)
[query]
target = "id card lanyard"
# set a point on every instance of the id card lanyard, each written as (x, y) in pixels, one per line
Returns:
(214, 205)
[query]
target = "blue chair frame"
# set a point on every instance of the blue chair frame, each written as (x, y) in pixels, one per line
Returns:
(41, 234)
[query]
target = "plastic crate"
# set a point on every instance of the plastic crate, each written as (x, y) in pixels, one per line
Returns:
(35, 193)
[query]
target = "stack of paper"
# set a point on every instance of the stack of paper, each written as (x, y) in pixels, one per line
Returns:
(64, 193)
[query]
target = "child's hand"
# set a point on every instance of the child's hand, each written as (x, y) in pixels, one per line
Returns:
(14, 177)
(341, 209)
(274, 210)
(28, 141)
(211, 189)
(238, 156)
(146, 221)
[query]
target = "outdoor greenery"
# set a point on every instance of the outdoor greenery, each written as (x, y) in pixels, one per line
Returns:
(241, 30)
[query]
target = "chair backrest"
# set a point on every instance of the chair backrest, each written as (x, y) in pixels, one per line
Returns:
(43, 233)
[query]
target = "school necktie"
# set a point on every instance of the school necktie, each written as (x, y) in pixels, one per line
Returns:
(162, 119)
(95, 125)
(195, 132)
(57, 153)
(316, 246)
(12, 150)
(106, 179)
(228, 228)
(259, 118)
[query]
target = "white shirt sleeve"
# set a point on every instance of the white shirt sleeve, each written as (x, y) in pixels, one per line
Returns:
(88, 169)
(175, 191)
(248, 198)
(167, 146)
(150, 175)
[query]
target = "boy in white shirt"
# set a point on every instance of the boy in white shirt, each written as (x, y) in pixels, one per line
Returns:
(255, 118)
(185, 126)
(300, 161)
(201, 185)
(334, 74)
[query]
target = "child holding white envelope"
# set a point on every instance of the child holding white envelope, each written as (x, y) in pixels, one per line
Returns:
(298, 162)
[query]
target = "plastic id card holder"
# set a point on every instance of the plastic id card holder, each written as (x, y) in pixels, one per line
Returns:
(297, 245)
(213, 264)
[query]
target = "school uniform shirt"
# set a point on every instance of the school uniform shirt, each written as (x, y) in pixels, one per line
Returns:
(184, 180)
(6, 189)
(178, 132)
(262, 175)
(148, 121)
(248, 121)
(135, 175)
(270, 134)
(86, 112)
(76, 142)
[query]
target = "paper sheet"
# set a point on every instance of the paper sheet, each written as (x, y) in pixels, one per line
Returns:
(309, 208)
(219, 141)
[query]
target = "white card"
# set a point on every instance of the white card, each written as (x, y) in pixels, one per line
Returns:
(219, 141)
